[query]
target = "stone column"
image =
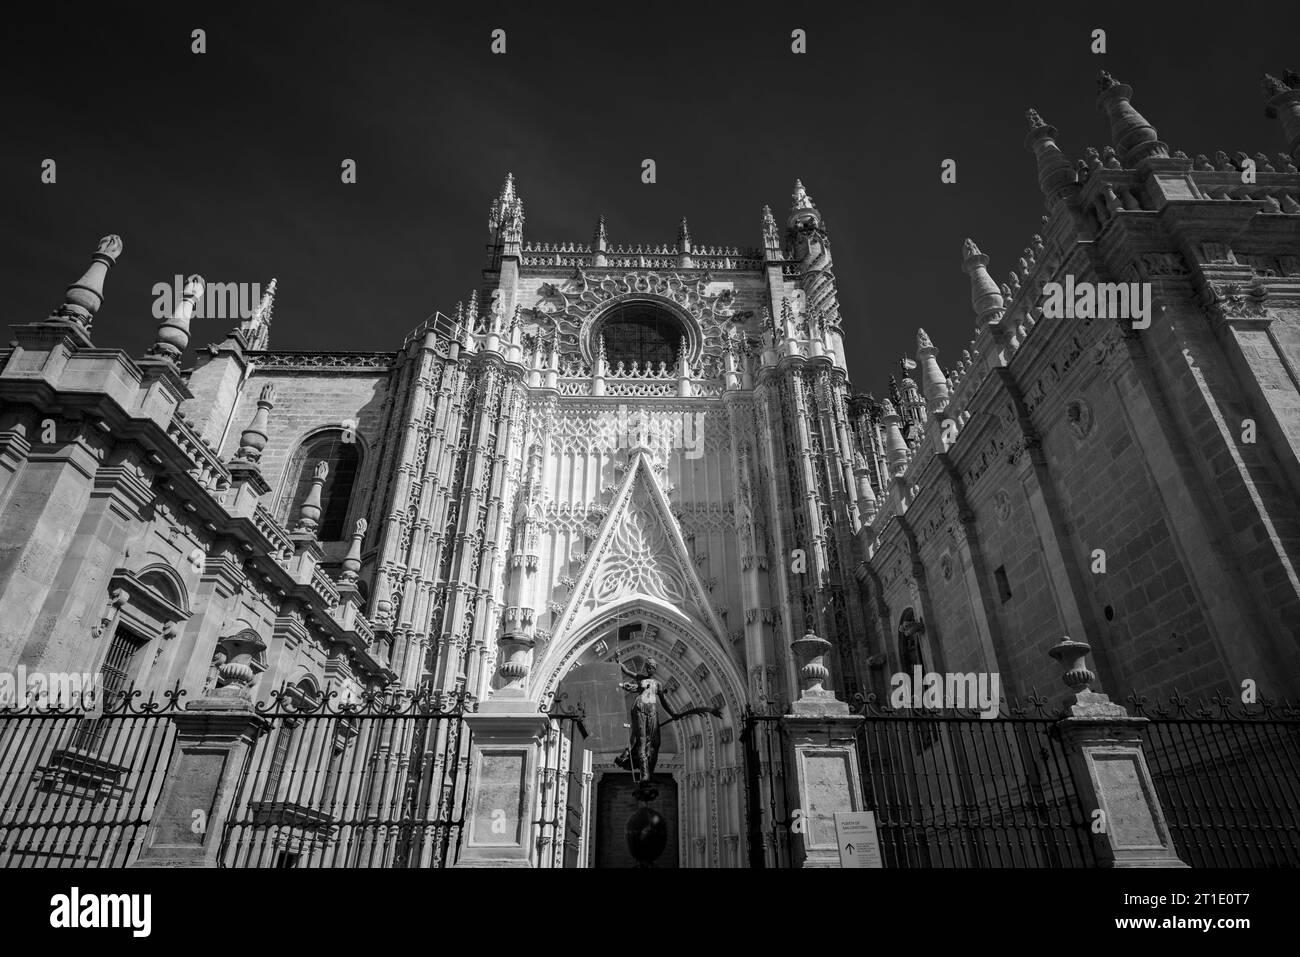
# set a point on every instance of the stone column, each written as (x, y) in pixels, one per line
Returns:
(503, 766)
(821, 747)
(213, 735)
(1103, 745)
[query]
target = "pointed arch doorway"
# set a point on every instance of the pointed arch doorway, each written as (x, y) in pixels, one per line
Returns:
(700, 773)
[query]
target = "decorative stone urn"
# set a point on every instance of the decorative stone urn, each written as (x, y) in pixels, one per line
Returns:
(235, 676)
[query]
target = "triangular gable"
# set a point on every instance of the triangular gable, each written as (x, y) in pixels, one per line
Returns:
(640, 550)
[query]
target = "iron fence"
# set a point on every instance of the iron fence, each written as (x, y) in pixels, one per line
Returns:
(79, 790)
(767, 804)
(1228, 778)
(377, 782)
(561, 829)
(383, 782)
(952, 789)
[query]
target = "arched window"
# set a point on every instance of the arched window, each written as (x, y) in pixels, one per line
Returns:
(344, 461)
(640, 332)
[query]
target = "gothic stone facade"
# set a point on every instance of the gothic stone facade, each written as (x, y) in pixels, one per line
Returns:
(654, 450)
(1137, 487)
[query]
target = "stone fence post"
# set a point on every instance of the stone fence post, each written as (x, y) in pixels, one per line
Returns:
(213, 735)
(821, 741)
(1103, 744)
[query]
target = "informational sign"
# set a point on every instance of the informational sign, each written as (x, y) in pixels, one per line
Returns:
(855, 832)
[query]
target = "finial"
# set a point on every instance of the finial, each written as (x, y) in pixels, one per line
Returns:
(174, 333)
(84, 297)
(771, 238)
(352, 561)
(309, 512)
(984, 296)
(263, 311)
(253, 439)
(383, 602)
(258, 326)
(1056, 174)
(1133, 136)
(800, 199)
(600, 239)
(933, 381)
(683, 236)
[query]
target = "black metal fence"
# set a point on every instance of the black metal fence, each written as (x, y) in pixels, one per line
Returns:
(1228, 778)
(767, 803)
(79, 791)
(384, 781)
(561, 830)
(952, 789)
(380, 782)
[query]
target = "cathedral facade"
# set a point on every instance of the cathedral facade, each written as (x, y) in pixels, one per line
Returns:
(621, 452)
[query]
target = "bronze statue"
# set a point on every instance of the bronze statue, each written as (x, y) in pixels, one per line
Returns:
(642, 754)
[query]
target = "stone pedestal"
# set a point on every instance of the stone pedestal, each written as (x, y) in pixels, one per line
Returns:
(212, 738)
(1103, 745)
(823, 773)
(507, 742)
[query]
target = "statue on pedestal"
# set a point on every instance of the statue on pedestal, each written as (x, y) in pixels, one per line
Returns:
(642, 752)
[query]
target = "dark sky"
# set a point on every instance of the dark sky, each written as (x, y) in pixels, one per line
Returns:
(227, 164)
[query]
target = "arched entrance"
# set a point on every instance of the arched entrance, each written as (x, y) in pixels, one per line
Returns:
(701, 765)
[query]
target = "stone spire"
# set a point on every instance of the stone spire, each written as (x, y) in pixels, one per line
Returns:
(1056, 176)
(257, 328)
(771, 237)
(1284, 103)
(683, 236)
(506, 217)
(84, 297)
(174, 333)
(1132, 135)
(600, 243)
(911, 409)
(803, 212)
(933, 382)
(985, 298)
(309, 512)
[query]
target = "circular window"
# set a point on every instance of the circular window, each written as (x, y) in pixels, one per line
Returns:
(640, 332)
